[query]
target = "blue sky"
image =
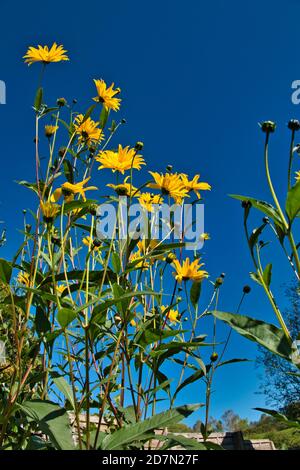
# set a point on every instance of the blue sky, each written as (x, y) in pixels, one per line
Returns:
(196, 78)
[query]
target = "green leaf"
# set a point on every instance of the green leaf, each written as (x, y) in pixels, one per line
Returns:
(189, 443)
(280, 417)
(5, 271)
(265, 334)
(65, 316)
(68, 171)
(128, 434)
(232, 361)
(64, 387)
(262, 206)
(116, 263)
(255, 278)
(191, 379)
(52, 421)
(292, 205)
(267, 274)
(255, 236)
(103, 117)
(38, 99)
(42, 323)
(195, 293)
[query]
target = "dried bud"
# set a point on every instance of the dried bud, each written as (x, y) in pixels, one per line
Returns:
(266, 220)
(222, 275)
(246, 289)
(294, 125)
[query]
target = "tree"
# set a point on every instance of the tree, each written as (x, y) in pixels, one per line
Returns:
(278, 384)
(233, 422)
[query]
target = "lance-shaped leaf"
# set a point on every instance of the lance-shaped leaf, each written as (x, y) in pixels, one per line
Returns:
(292, 205)
(128, 434)
(265, 334)
(262, 206)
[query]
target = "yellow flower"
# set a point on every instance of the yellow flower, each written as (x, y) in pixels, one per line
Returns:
(23, 278)
(205, 236)
(50, 130)
(147, 200)
(297, 175)
(122, 160)
(132, 322)
(172, 314)
(146, 246)
(44, 54)
(124, 189)
(49, 210)
(189, 270)
(138, 260)
(89, 242)
(194, 184)
(169, 184)
(69, 190)
(107, 95)
(87, 130)
(60, 289)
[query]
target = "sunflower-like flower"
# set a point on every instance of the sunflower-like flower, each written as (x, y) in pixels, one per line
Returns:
(87, 130)
(172, 314)
(297, 175)
(90, 242)
(194, 184)
(44, 54)
(124, 189)
(49, 210)
(124, 159)
(169, 184)
(189, 270)
(24, 279)
(69, 190)
(60, 288)
(50, 130)
(107, 95)
(147, 200)
(138, 260)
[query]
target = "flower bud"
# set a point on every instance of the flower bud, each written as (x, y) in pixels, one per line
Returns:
(62, 151)
(246, 204)
(123, 121)
(219, 282)
(61, 102)
(97, 242)
(266, 220)
(139, 146)
(170, 258)
(294, 125)
(93, 209)
(169, 167)
(214, 357)
(268, 126)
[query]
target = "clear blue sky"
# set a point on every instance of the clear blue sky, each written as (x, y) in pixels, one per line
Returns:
(196, 78)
